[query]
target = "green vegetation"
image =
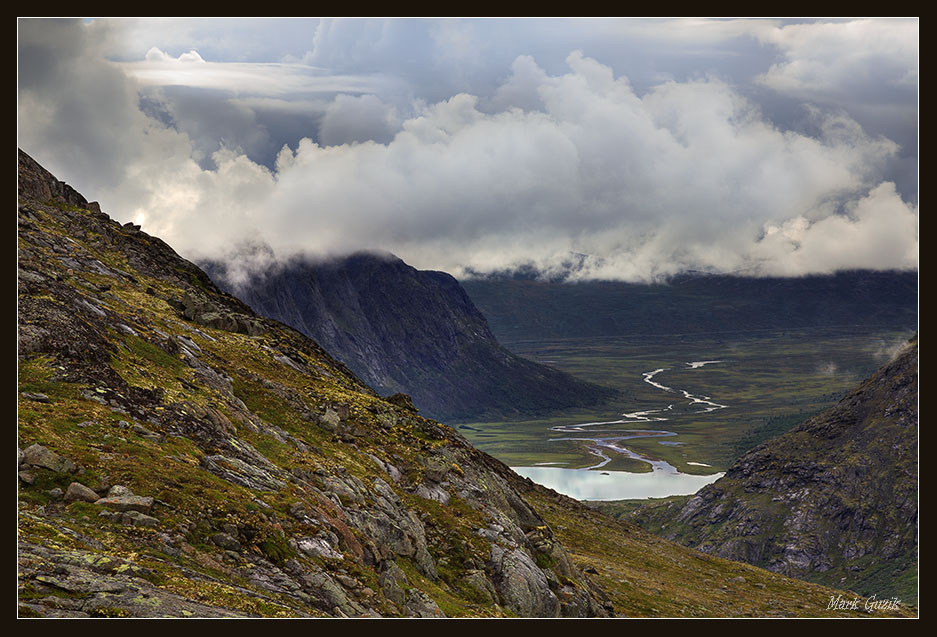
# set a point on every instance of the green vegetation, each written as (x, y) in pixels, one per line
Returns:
(645, 576)
(834, 500)
(770, 383)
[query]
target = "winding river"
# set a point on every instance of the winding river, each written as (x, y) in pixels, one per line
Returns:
(590, 483)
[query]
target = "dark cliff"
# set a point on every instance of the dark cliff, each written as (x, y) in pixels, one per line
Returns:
(405, 330)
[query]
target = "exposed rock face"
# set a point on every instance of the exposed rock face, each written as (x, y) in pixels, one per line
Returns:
(411, 331)
(833, 501)
(258, 476)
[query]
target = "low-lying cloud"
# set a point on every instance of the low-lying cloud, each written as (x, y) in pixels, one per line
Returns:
(686, 175)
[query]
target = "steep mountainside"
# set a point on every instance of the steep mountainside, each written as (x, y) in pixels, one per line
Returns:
(834, 501)
(179, 455)
(406, 330)
(520, 310)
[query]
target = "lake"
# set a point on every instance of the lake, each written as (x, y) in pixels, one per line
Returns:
(590, 484)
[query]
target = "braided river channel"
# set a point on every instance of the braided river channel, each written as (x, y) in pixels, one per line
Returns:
(592, 483)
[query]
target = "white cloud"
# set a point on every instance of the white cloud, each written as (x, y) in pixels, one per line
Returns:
(879, 230)
(258, 79)
(688, 174)
(350, 118)
(825, 61)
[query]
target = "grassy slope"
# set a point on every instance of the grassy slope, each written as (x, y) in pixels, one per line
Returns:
(77, 426)
(647, 576)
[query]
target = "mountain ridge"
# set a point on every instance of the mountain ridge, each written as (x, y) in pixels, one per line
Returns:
(408, 330)
(240, 462)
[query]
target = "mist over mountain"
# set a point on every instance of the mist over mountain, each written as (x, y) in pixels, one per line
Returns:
(403, 330)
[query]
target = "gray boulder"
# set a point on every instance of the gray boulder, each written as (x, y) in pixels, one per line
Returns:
(523, 587)
(118, 491)
(419, 604)
(392, 581)
(78, 492)
(239, 472)
(39, 456)
(135, 518)
(143, 504)
(226, 541)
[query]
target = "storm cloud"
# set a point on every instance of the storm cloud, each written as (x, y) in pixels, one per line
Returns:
(523, 163)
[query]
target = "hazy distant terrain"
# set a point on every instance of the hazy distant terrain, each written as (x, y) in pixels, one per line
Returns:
(788, 348)
(531, 310)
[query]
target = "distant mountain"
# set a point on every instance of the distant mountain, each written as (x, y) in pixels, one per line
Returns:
(406, 330)
(523, 308)
(833, 501)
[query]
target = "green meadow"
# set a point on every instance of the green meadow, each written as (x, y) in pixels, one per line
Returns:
(769, 380)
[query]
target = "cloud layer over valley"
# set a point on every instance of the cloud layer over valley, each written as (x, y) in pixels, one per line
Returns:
(478, 145)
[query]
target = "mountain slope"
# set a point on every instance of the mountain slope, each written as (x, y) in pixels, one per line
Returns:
(406, 330)
(833, 501)
(520, 310)
(180, 456)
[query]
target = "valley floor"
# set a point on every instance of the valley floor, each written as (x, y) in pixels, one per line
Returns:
(768, 381)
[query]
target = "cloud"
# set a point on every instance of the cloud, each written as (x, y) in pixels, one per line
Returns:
(78, 112)
(868, 68)
(687, 176)
(866, 59)
(351, 118)
(641, 183)
(878, 229)
(257, 79)
(234, 39)
(406, 62)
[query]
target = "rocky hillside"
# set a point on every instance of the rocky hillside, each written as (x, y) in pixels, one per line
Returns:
(406, 330)
(180, 456)
(833, 501)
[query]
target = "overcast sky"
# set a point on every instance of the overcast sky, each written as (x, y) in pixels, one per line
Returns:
(649, 146)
